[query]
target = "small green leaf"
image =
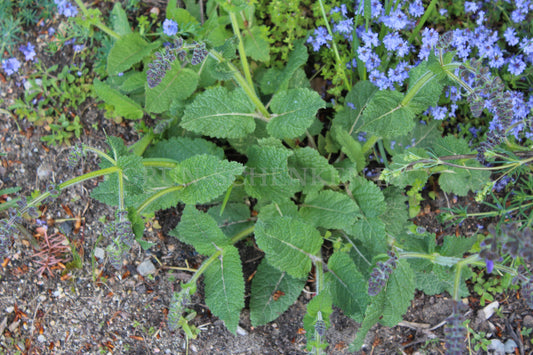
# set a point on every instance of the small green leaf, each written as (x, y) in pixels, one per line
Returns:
(123, 105)
(372, 316)
(119, 19)
(224, 287)
(429, 94)
(456, 246)
(273, 292)
(200, 230)
(128, 50)
(396, 217)
(329, 209)
(347, 286)
(204, 177)
(294, 111)
(350, 147)
(220, 113)
(288, 243)
(178, 84)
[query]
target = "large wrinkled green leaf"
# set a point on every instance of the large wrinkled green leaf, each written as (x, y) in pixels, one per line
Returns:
(220, 113)
(294, 111)
(204, 177)
(224, 287)
(273, 292)
(288, 243)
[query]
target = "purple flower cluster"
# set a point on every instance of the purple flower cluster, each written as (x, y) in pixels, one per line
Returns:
(66, 8)
(381, 273)
(455, 332)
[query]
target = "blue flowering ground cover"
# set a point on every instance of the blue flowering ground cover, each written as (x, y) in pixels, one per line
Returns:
(419, 111)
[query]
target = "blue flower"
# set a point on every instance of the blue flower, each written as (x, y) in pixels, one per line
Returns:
(321, 37)
(510, 36)
(400, 73)
(344, 27)
(380, 80)
(66, 8)
(370, 38)
(28, 51)
(439, 113)
(397, 20)
(443, 12)
(78, 47)
(471, 6)
(416, 9)
(490, 265)
(516, 65)
(170, 27)
(11, 65)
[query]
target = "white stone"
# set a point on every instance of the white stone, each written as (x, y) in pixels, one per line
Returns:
(146, 268)
(489, 310)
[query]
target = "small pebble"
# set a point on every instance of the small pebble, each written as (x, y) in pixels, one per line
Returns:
(496, 347)
(489, 310)
(509, 346)
(528, 321)
(146, 268)
(241, 331)
(41, 338)
(99, 253)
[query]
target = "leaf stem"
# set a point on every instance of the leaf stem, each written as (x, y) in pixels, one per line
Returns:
(250, 92)
(340, 66)
(239, 236)
(242, 52)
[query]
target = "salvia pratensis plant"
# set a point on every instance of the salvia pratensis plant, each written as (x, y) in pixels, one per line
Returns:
(295, 182)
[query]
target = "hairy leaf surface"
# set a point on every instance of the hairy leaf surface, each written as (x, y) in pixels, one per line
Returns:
(204, 177)
(273, 292)
(181, 148)
(275, 79)
(385, 117)
(128, 50)
(224, 287)
(220, 113)
(347, 286)
(329, 209)
(294, 111)
(200, 230)
(312, 169)
(288, 243)
(123, 105)
(267, 174)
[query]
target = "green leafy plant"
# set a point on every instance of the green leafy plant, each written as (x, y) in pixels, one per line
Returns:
(295, 182)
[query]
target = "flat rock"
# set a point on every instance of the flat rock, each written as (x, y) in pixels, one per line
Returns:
(146, 268)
